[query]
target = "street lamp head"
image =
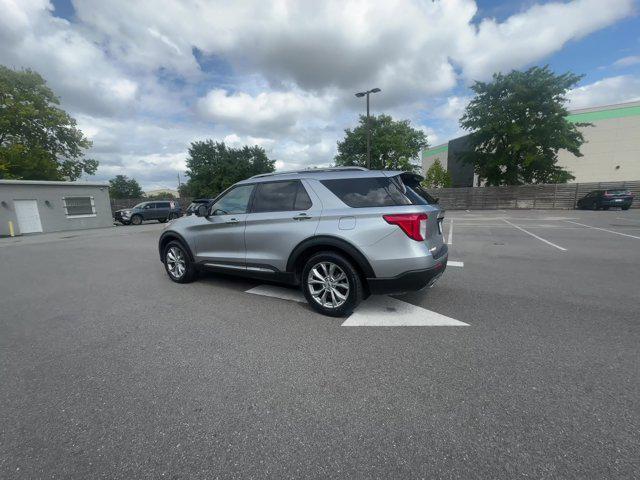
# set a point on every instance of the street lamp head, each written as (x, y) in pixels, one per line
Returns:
(360, 94)
(375, 90)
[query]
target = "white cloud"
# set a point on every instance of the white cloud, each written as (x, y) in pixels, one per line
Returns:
(265, 112)
(278, 74)
(627, 61)
(608, 91)
(76, 68)
(453, 108)
(530, 36)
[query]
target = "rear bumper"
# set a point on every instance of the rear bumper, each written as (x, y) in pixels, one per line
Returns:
(613, 203)
(408, 281)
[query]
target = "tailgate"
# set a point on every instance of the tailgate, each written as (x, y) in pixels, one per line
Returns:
(433, 210)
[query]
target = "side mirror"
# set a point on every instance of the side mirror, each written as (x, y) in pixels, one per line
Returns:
(202, 211)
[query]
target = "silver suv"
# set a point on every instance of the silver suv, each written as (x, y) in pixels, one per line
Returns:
(340, 234)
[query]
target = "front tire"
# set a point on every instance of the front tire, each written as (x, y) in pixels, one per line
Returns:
(177, 263)
(136, 220)
(162, 220)
(331, 284)
(625, 208)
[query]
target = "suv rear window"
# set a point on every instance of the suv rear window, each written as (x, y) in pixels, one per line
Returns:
(368, 192)
(618, 192)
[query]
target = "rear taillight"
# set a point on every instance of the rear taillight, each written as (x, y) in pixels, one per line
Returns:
(413, 224)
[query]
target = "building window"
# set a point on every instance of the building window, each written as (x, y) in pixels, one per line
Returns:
(79, 207)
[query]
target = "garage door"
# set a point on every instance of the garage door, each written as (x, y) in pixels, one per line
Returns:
(28, 216)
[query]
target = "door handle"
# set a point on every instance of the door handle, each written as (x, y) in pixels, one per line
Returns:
(232, 220)
(302, 216)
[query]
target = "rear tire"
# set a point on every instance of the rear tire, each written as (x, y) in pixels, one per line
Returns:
(177, 263)
(162, 220)
(605, 208)
(331, 284)
(625, 208)
(136, 220)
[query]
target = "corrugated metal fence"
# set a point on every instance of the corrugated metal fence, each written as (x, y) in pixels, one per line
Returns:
(544, 196)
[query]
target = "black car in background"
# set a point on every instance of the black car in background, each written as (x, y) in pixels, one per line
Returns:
(603, 199)
(158, 210)
(193, 206)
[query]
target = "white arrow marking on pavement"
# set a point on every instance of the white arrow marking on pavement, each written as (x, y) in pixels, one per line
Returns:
(452, 263)
(382, 311)
(376, 311)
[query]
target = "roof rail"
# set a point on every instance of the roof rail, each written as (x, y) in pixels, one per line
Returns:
(311, 170)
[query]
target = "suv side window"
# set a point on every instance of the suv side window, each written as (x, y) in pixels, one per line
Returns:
(162, 205)
(234, 201)
(280, 197)
(367, 192)
(303, 202)
(149, 206)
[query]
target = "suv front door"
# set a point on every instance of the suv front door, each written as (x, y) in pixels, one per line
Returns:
(220, 237)
(149, 211)
(283, 214)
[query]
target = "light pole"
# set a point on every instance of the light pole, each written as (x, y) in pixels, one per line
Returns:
(359, 95)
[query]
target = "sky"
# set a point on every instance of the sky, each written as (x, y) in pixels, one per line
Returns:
(144, 79)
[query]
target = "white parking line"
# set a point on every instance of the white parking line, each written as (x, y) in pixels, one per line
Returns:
(604, 230)
(453, 263)
(376, 311)
(450, 239)
(535, 236)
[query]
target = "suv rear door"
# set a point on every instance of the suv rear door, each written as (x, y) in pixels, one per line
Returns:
(283, 214)
(162, 210)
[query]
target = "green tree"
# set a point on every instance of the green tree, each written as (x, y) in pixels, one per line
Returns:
(395, 145)
(437, 176)
(122, 186)
(213, 167)
(38, 140)
(184, 190)
(518, 124)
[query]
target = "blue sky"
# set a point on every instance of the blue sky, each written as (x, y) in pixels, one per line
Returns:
(145, 81)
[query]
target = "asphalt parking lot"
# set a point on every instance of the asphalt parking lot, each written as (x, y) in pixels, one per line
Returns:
(111, 370)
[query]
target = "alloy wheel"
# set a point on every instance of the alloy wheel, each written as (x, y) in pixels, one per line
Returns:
(328, 284)
(176, 262)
